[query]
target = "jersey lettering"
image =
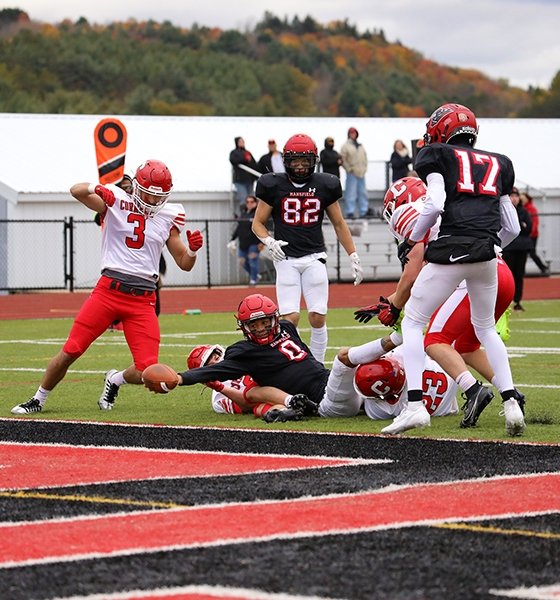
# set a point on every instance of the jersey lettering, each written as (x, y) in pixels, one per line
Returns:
(291, 350)
(139, 221)
(435, 387)
(300, 211)
(466, 183)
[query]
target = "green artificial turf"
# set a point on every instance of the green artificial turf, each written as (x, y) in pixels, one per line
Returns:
(27, 346)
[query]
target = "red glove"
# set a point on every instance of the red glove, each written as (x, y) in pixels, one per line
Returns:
(388, 313)
(106, 195)
(195, 242)
(217, 386)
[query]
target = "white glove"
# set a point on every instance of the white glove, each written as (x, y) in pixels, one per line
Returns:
(274, 248)
(357, 271)
(232, 247)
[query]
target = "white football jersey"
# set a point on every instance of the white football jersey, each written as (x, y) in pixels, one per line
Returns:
(439, 393)
(404, 218)
(131, 242)
(224, 405)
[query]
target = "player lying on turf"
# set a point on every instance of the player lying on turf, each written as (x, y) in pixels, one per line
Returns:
(244, 395)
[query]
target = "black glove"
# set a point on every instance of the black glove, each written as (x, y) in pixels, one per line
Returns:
(366, 313)
(402, 252)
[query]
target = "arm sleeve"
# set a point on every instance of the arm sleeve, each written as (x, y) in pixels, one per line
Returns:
(510, 223)
(433, 207)
(222, 371)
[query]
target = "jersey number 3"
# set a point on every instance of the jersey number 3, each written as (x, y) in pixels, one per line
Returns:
(139, 222)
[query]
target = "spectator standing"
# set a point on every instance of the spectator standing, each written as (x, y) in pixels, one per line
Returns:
(400, 161)
(297, 202)
(354, 161)
(243, 179)
(271, 162)
(528, 205)
(330, 159)
(249, 244)
(135, 229)
(516, 253)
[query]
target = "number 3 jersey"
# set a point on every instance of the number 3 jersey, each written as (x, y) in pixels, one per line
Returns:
(439, 393)
(298, 210)
(131, 242)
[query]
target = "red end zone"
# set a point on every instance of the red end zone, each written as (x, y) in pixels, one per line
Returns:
(133, 533)
(27, 466)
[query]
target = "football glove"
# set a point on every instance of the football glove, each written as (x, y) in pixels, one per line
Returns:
(194, 242)
(357, 270)
(274, 248)
(366, 314)
(105, 194)
(403, 250)
(217, 386)
(232, 247)
(388, 313)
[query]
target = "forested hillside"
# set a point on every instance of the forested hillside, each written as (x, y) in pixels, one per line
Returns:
(280, 68)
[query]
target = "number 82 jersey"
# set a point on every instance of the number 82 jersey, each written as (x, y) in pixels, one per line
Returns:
(298, 210)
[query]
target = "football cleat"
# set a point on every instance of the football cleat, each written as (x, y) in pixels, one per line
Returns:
(301, 403)
(277, 415)
(515, 422)
(31, 406)
(110, 392)
(475, 403)
(411, 417)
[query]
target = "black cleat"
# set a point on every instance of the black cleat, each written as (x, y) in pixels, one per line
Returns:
(110, 392)
(302, 403)
(31, 406)
(276, 415)
(475, 403)
(520, 400)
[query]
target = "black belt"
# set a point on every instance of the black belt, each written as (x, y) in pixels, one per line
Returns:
(127, 289)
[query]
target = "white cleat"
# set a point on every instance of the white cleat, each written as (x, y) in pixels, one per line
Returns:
(515, 423)
(412, 416)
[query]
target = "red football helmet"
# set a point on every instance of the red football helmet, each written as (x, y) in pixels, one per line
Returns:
(381, 379)
(450, 120)
(402, 191)
(298, 147)
(257, 306)
(154, 178)
(200, 355)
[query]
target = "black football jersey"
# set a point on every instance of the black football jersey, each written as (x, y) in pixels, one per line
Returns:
(286, 363)
(298, 211)
(474, 181)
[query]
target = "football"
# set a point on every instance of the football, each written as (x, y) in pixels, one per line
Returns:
(160, 378)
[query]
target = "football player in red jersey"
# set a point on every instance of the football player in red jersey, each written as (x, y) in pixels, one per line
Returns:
(297, 201)
(470, 190)
(135, 229)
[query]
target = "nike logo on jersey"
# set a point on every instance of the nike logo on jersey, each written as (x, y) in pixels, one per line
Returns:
(453, 259)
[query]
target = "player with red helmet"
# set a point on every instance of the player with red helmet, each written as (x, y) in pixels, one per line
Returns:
(382, 385)
(134, 232)
(297, 201)
(468, 191)
(243, 394)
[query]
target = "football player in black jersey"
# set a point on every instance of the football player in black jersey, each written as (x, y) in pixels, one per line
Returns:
(273, 354)
(470, 190)
(297, 201)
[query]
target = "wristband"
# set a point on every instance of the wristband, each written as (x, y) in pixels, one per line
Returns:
(191, 253)
(91, 188)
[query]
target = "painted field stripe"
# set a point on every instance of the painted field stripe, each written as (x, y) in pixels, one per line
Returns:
(31, 466)
(121, 534)
(195, 592)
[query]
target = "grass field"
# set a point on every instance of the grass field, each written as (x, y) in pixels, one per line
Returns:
(27, 346)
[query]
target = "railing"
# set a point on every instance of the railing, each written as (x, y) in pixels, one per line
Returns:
(65, 254)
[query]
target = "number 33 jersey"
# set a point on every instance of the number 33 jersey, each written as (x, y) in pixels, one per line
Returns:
(298, 210)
